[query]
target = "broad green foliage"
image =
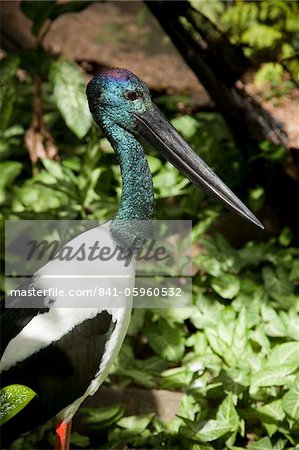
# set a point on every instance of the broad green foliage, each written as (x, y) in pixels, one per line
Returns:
(69, 95)
(267, 26)
(9, 171)
(234, 354)
(262, 28)
(13, 399)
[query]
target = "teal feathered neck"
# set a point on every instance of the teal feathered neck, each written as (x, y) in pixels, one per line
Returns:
(133, 218)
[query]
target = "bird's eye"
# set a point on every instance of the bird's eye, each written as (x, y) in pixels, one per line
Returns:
(131, 95)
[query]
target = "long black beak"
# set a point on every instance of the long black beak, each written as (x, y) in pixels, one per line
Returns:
(155, 128)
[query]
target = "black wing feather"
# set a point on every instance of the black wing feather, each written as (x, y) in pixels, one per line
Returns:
(20, 313)
(59, 373)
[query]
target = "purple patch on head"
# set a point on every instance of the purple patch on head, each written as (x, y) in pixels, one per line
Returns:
(118, 74)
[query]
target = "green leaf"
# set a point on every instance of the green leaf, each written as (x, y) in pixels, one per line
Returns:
(165, 340)
(140, 377)
(239, 341)
(276, 283)
(136, 424)
(274, 326)
(9, 172)
(262, 444)
(98, 418)
(291, 322)
(261, 36)
(271, 151)
(227, 285)
(154, 163)
(168, 182)
(188, 407)
(275, 376)
(209, 265)
(8, 88)
(285, 237)
(286, 354)
(38, 11)
(137, 321)
(70, 97)
(152, 365)
(272, 410)
(256, 198)
(53, 167)
(294, 275)
(186, 125)
(259, 336)
(79, 440)
(206, 431)
(227, 413)
(13, 399)
(220, 347)
(39, 198)
(176, 378)
(269, 73)
(290, 403)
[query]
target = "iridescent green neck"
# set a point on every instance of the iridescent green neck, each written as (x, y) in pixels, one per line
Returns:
(136, 210)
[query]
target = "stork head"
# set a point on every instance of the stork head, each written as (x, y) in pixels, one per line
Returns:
(118, 97)
(117, 94)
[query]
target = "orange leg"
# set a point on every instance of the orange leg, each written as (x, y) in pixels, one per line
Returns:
(63, 434)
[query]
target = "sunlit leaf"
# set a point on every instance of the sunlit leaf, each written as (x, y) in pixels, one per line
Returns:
(262, 444)
(70, 98)
(272, 410)
(227, 413)
(290, 403)
(9, 171)
(274, 325)
(274, 376)
(227, 285)
(165, 340)
(53, 167)
(239, 340)
(176, 378)
(261, 36)
(206, 431)
(269, 73)
(186, 125)
(13, 399)
(136, 424)
(285, 354)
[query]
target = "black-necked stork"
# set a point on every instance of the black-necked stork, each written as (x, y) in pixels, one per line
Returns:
(64, 354)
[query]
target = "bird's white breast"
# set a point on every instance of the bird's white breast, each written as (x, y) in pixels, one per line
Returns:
(66, 313)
